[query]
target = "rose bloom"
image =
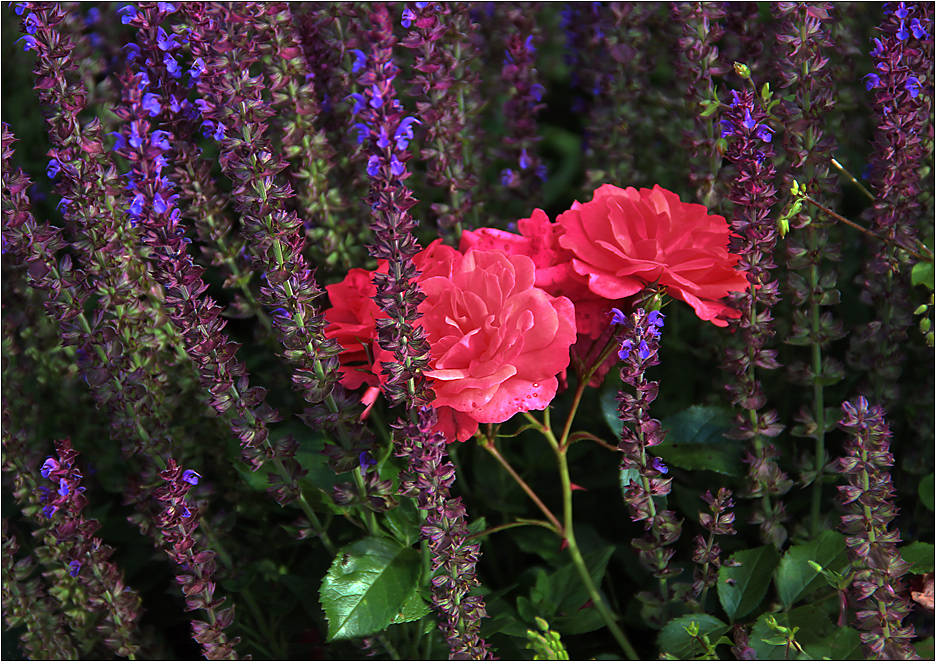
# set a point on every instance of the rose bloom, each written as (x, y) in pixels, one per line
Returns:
(624, 239)
(497, 342)
(351, 322)
(539, 240)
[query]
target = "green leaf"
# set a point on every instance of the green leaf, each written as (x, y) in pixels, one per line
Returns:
(919, 555)
(812, 625)
(404, 522)
(695, 437)
(696, 441)
(741, 588)
(414, 608)
(843, 644)
(796, 578)
(559, 597)
(674, 639)
(925, 491)
(925, 648)
(368, 585)
(923, 274)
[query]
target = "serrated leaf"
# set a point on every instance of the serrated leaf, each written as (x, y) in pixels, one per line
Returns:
(674, 639)
(367, 586)
(741, 588)
(796, 578)
(919, 555)
(925, 491)
(923, 274)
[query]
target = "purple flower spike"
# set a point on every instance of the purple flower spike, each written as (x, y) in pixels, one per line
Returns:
(133, 51)
(382, 140)
(359, 103)
(374, 164)
(902, 11)
(407, 18)
(912, 85)
(191, 477)
(172, 66)
(135, 140)
(655, 318)
(165, 41)
(618, 318)
(166, 7)
(764, 132)
(31, 23)
(136, 207)
(872, 81)
(625, 349)
(643, 351)
(376, 100)
(63, 487)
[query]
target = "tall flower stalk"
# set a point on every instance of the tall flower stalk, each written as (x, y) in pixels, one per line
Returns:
(901, 54)
(805, 39)
(753, 195)
(640, 342)
(868, 500)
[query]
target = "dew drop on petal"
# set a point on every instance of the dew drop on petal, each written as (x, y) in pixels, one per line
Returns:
(536, 385)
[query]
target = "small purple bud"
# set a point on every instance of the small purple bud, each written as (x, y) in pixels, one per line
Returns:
(764, 132)
(902, 11)
(872, 81)
(376, 100)
(618, 318)
(19, 8)
(282, 312)
(128, 14)
(912, 86)
(74, 567)
(151, 103)
(374, 165)
(643, 351)
(63, 487)
(166, 7)
(133, 51)
(51, 465)
(918, 30)
(524, 161)
(31, 43)
(382, 140)
(54, 168)
(49, 510)
(359, 102)
(191, 477)
(165, 41)
(160, 138)
(365, 460)
(625, 349)
(656, 318)
(529, 44)
(508, 177)
(135, 140)
(658, 464)
(31, 23)
(360, 60)
(363, 131)
(407, 18)
(396, 167)
(218, 135)
(136, 207)
(748, 122)
(172, 66)
(902, 33)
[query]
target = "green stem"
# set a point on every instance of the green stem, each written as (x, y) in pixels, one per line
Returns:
(490, 447)
(852, 179)
(580, 563)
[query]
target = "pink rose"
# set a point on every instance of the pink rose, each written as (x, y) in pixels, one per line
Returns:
(539, 241)
(625, 239)
(351, 321)
(497, 341)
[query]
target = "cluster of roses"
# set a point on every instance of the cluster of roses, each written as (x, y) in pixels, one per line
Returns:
(503, 312)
